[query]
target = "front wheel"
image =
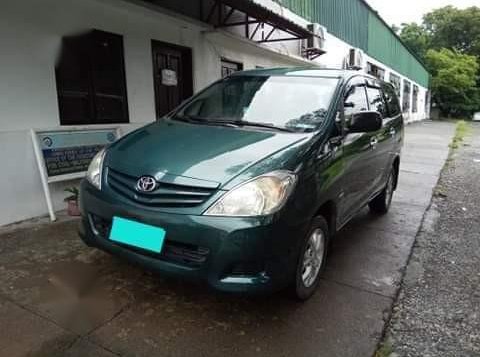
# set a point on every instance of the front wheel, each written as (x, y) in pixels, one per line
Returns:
(381, 203)
(311, 259)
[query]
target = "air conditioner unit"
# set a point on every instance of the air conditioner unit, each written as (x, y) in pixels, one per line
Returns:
(317, 40)
(354, 59)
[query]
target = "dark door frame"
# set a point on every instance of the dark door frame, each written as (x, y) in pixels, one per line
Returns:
(187, 71)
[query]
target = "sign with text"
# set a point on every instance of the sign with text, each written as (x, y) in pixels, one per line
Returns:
(169, 78)
(65, 154)
(70, 152)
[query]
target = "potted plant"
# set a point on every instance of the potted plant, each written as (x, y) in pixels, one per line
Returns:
(72, 201)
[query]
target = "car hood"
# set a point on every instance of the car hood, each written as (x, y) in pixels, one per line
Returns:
(200, 152)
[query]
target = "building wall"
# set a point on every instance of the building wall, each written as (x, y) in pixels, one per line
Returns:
(356, 23)
(30, 35)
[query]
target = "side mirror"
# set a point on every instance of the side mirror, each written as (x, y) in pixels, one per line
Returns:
(365, 122)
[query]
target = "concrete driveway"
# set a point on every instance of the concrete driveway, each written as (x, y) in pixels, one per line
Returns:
(58, 297)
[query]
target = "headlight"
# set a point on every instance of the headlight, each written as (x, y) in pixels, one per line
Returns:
(261, 196)
(94, 173)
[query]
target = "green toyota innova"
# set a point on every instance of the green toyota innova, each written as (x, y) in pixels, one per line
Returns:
(245, 183)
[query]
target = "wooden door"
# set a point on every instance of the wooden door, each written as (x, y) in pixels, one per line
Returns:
(172, 70)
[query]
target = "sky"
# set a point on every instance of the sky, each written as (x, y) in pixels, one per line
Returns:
(400, 11)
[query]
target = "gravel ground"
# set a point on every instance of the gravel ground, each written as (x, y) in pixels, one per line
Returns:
(437, 312)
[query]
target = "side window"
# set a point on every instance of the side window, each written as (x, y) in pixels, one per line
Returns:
(393, 105)
(355, 99)
(375, 101)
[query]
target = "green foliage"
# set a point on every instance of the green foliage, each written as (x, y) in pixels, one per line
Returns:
(449, 27)
(454, 84)
(449, 42)
(73, 191)
(416, 37)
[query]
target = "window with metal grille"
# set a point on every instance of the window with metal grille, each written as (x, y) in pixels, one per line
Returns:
(375, 71)
(229, 67)
(90, 76)
(396, 82)
(415, 99)
(406, 96)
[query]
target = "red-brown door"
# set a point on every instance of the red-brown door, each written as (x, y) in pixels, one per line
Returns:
(172, 70)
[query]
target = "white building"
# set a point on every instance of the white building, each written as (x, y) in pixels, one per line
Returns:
(114, 76)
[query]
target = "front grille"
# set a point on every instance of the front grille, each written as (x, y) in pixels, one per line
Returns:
(175, 252)
(164, 195)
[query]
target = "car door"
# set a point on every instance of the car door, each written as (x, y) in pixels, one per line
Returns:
(358, 170)
(381, 152)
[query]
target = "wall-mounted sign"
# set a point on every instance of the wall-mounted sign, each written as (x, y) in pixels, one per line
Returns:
(169, 77)
(65, 154)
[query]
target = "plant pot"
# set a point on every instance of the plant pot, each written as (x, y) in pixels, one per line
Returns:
(73, 209)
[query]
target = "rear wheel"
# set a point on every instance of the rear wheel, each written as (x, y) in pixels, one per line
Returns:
(381, 203)
(311, 259)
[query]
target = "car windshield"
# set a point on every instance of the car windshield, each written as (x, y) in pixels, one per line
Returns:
(297, 104)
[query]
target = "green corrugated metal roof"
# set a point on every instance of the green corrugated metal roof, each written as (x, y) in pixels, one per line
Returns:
(384, 46)
(355, 22)
(344, 18)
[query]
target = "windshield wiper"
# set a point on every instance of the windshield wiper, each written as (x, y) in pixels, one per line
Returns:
(205, 121)
(262, 125)
(230, 123)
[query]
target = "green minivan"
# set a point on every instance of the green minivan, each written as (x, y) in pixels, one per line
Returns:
(245, 183)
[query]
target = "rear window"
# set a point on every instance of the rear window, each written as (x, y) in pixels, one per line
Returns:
(393, 105)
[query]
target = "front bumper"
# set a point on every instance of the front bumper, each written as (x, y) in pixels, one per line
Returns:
(257, 254)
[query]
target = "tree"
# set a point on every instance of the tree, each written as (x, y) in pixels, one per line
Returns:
(449, 27)
(416, 38)
(454, 81)
(448, 40)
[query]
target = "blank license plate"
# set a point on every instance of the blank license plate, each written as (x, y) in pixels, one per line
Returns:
(137, 234)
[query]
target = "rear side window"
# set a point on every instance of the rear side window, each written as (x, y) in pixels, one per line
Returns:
(375, 101)
(393, 105)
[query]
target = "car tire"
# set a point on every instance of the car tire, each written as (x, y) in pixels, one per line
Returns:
(311, 260)
(381, 203)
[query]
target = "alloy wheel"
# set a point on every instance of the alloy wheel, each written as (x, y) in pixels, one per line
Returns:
(313, 257)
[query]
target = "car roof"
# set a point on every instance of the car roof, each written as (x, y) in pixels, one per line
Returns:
(303, 72)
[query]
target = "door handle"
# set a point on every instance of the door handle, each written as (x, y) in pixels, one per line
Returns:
(392, 131)
(373, 142)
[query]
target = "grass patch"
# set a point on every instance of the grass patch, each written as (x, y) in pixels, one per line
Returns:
(385, 350)
(462, 130)
(440, 192)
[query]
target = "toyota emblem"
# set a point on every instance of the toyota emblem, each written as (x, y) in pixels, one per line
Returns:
(146, 184)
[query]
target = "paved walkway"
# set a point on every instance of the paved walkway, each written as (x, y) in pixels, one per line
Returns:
(126, 311)
(438, 311)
